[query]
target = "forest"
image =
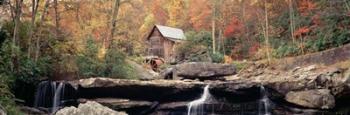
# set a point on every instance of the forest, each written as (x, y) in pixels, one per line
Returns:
(48, 39)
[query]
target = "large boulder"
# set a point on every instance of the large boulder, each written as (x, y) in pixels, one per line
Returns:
(89, 108)
(142, 72)
(162, 90)
(318, 99)
(204, 70)
(129, 106)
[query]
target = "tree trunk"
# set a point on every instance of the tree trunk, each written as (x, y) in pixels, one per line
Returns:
(213, 35)
(267, 33)
(347, 5)
(57, 20)
(15, 41)
(42, 19)
(35, 5)
(291, 19)
(12, 11)
(243, 9)
(113, 22)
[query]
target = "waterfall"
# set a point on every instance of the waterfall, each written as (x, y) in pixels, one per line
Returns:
(40, 93)
(194, 107)
(264, 102)
(59, 94)
(49, 95)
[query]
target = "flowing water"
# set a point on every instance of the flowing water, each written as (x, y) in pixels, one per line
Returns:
(195, 107)
(59, 95)
(49, 95)
(264, 102)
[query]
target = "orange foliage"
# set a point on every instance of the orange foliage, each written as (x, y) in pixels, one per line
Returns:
(228, 59)
(200, 14)
(234, 27)
(305, 6)
(302, 31)
(160, 14)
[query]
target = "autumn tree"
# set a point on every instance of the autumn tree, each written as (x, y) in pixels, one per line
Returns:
(200, 15)
(176, 13)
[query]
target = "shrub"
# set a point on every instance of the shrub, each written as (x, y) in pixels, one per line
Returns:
(217, 57)
(239, 65)
(116, 65)
(286, 50)
(112, 65)
(6, 97)
(196, 47)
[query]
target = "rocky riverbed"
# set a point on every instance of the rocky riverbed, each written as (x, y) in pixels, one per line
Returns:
(302, 90)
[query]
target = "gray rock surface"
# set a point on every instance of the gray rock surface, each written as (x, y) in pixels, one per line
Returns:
(204, 70)
(296, 83)
(89, 108)
(319, 99)
(142, 72)
(119, 104)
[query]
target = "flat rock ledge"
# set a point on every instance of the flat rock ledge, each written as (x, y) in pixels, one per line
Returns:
(320, 98)
(109, 82)
(162, 90)
(312, 87)
(119, 104)
(89, 108)
(203, 70)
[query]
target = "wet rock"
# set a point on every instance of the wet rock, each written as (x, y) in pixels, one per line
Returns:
(347, 76)
(152, 90)
(89, 108)
(121, 104)
(283, 87)
(204, 70)
(31, 111)
(319, 99)
(167, 73)
(164, 90)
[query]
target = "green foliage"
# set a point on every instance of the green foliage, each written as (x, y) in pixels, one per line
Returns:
(113, 65)
(217, 57)
(88, 62)
(6, 78)
(6, 97)
(116, 65)
(201, 37)
(239, 65)
(286, 50)
(195, 45)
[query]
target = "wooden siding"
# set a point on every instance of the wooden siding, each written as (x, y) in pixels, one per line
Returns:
(160, 46)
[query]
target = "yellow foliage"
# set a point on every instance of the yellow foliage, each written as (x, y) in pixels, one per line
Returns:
(228, 59)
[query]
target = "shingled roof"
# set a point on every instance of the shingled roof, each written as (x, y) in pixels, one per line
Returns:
(171, 33)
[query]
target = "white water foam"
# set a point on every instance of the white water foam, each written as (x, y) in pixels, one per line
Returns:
(194, 107)
(265, 102)
(58, 96)
(56, 93)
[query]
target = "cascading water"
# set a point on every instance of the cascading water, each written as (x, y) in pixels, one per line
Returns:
(264, 102)
(49, 95)
(194, 107)
(59, 94)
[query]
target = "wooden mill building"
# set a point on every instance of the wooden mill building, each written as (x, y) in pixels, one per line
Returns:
(162, 41)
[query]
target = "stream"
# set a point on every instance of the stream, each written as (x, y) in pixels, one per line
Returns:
(204, 99)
